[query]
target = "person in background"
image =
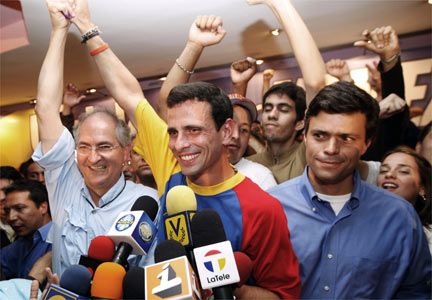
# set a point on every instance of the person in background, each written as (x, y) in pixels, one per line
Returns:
(408, 174)
(424, 144)
(27, 211)
(8, 175)
(30, 170)
(141, 169)
(71, 98)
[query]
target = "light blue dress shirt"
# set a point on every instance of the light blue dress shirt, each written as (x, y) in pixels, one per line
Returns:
(76, 220)
(18, 258)
(374, 248)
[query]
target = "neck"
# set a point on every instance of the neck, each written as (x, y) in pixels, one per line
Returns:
(219, 173)
(277, 148)
(147, 181)
(332, 189)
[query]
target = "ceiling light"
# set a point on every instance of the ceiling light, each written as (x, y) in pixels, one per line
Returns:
(162, 78)
(276, 31)
(259, 62)
(32, 101)
(430, 1)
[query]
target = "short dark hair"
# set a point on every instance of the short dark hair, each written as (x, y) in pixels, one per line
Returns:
(24, 167)
(424, 131)
(221, 108)
(8, 172)
(422, 205)
(343, 97)
(294, 92)
(38, 192)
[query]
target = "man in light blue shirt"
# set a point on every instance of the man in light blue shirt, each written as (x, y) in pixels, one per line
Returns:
(352, 239)
(87, 193)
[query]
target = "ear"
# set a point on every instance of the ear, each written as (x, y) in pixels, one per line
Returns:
(299, 125)
(367, 144)
(422, 191)
(418, 147)
(227, 130)
(43, 208)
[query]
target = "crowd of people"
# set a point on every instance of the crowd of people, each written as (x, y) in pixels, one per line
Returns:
(329, 195)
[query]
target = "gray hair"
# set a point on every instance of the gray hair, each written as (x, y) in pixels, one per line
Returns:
(122, 130)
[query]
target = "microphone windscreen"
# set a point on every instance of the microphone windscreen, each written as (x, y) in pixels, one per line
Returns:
(207, 228)
(147, 204)
(133, 284)
(107, 281)
(101, 248)
(77, 279)
(168, 249)
(180, 198)
(244, 267)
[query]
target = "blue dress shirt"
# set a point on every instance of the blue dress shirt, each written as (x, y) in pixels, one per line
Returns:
(18, 258)
(374, 248)
(76, 220)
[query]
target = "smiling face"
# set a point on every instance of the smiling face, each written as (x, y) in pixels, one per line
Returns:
(23, 215)
(195, 142)
(334, 144)
(399, 174)
(240, 138)
(100, 170)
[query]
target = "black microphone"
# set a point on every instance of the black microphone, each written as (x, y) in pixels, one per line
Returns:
(214, 256)
(133, 284)
(134, 231)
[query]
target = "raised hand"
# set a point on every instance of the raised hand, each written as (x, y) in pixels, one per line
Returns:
(268, 74)
(72, 96)
(243, 70)
(61, 11)
(390, 105)
(339, 69)
(382, 41)
(206, 31)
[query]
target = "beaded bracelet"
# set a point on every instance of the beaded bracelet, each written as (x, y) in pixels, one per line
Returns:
(90, 34)
(183, 68)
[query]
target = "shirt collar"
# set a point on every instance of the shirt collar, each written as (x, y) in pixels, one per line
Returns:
(112, 193)
(43, 231)
(309, 193)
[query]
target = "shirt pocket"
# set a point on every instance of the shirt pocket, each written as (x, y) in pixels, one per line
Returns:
(373, 278)
(74, 238)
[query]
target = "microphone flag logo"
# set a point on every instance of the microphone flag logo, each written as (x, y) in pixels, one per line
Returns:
(125, 222)
(213, 255)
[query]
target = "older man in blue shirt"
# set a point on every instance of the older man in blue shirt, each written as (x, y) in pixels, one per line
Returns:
(86, 192)
(27, 211)
(353, 240)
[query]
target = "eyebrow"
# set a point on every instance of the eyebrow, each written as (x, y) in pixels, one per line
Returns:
(398, 165)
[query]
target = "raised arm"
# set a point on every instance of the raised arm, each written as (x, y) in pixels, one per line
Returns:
(339, 68)
(241, 72)
(205, 31)
(50, 84)
(305, 50)
(119, 81)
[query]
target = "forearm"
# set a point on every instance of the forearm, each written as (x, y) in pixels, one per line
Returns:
(254, 292)
(50, 89)
(265, 86)
(305, 50)
(240, 88)
(176, 76)
(392, 80)
(119, 81)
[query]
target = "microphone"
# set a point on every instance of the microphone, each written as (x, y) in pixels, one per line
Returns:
(213, 254)
(107, 282)
(133, 284)
(74, 285)
(244, 266)
(134, 231)
(171, 276)
(101, 250)
(181, 205)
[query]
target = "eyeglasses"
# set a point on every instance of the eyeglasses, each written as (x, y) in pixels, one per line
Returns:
(100, 149)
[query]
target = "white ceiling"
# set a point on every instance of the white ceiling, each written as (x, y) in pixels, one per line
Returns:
(148, 35)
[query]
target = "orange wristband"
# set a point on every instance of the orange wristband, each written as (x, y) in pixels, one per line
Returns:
(99, 49)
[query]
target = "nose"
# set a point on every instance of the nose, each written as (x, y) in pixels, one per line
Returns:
(332, 146)
(273, 114)
(389, 174)
(12, 216)
(94, 156)
(41, 177)
(181, 142)
(235, 134)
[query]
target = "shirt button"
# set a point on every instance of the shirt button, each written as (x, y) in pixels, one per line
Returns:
(314, 209)
(93, 211)
(326, 288)
(330, 256)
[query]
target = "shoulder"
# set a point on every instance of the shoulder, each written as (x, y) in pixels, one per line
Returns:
(141, 190)
(245, 163)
